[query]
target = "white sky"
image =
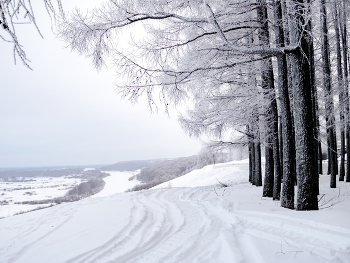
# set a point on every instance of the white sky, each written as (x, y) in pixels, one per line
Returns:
(65, 113)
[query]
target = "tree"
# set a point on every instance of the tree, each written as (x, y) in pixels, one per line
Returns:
(287, 199)
(13, 13)
(341, 92)
(272, 165)
(343, 31)
(333, 162)
(306, 171)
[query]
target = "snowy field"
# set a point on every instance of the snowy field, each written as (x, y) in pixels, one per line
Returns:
(190, 219)
(36, 188)
(42, 188)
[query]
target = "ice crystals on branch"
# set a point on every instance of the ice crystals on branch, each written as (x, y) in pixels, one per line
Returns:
(16, 12)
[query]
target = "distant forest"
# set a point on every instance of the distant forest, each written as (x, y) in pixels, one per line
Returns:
(130, 165)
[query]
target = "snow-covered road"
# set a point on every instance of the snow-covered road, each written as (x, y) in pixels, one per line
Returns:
(180, 224)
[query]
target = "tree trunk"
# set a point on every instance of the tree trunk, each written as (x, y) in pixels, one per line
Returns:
(346, 87)
(315, 119)
(280, 140)
(287, 199)
(257, 159)
(272, 146)
(341, 94)
(320, 168)
(328, 96)
(306, 171)
(251, 154)
(257, 177)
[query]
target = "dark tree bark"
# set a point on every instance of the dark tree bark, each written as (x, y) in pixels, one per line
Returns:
(341, 94)
(287, 199)
(346, 87)
(304, 141)
(328, 96)
(320, 168)
(268, 182)
(315, 119)
(257, 159)
(251, 154)
(280, 141)
(272, 165)
(257, 176)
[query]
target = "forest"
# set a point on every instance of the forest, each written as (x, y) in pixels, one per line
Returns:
(272, 75)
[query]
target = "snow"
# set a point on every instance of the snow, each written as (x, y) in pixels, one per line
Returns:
(118, 182)
(190, 219)
(212, 175)
(32, 189)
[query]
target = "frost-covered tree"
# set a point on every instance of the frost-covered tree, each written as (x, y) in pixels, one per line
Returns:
(230, 115)
(15, 13)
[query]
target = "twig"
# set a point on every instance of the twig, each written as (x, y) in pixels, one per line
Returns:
(321, 197)
(222, 184)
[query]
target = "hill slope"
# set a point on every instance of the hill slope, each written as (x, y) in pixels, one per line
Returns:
(183, 224)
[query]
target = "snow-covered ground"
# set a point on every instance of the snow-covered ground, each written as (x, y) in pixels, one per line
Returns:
(36, 188)
(42, 188)
(212, 175)
(183, 222)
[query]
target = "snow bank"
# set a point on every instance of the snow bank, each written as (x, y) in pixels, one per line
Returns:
(228, 173)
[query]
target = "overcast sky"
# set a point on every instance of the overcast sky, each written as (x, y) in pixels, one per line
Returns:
(65, 113)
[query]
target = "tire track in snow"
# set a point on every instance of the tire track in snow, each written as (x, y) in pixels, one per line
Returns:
(141, 230)
(192, 225)
(138, 215)
(203, 234)
(189, 228)
(161, 228)
(62, 212)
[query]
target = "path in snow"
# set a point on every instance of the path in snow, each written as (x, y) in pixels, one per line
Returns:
(173, 225)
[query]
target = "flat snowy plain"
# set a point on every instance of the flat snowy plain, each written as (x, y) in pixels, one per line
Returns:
(189, 219)
(36, 188)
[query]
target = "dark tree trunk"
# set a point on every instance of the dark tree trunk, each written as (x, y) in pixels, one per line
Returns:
(315, 119)
(346, 87)
(268, 182)
(272, 146)
(320, 168)
(329, 166)
(306, 171)
(341, 94)
(257, 176)
(328, 96)
(251, 154)
(257, 159)
(287, 199)
(250, 150)
(280, 140)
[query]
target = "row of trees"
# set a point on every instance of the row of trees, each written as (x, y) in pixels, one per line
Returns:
(224, 55)
(255, 69)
